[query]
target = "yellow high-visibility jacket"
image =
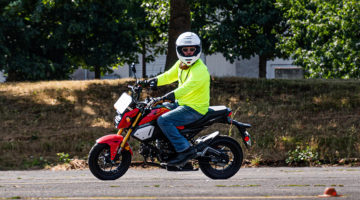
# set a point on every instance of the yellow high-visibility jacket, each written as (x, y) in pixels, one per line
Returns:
(194, 85)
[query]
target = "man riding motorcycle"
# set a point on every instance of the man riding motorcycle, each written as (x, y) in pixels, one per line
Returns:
(190, 101)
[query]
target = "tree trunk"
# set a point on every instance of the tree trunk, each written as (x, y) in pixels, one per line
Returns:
(262, 66)
(97, 72)
(143, 52)
(12, 76)
(179, 23)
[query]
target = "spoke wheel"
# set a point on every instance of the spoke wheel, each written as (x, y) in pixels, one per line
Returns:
(101, 165)
(225, 165)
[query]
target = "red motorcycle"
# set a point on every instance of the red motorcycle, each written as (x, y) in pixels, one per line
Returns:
(218, 157)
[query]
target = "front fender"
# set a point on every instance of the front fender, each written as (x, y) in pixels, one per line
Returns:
(114, 141)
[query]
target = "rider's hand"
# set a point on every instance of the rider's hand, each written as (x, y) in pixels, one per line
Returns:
(150, 82)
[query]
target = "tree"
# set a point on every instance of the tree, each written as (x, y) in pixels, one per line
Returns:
(28, 48)
(151, 19)
(171, 18)
(44, 40)
(101, 34)
(239, 29)
(179, 23)
(323, 36)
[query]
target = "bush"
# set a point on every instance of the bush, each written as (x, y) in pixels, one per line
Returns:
(63, 157)
(306, 156)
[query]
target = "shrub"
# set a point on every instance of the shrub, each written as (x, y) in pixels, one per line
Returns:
(307, 156)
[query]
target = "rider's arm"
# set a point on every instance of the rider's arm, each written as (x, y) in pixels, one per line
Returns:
(169, 76)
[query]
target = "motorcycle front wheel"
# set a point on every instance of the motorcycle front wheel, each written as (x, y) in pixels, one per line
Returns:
(101, 165)
(225, 165)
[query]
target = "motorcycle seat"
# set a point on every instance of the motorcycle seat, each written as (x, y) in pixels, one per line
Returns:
(214, 112)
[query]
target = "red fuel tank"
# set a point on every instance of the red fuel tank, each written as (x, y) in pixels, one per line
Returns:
(153, 115)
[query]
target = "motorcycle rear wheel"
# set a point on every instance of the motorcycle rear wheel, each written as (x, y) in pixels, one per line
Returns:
(222, 170)
(101, 165)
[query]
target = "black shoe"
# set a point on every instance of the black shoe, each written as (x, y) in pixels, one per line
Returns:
(182, 157)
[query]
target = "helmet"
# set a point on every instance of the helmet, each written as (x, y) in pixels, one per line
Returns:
(188, 39)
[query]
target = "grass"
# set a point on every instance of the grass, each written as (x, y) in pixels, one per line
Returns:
(40, 119)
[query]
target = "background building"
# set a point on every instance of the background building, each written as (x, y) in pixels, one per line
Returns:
(219, 67)
(216, 63)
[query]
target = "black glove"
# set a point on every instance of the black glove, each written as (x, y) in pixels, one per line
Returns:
(150, 82)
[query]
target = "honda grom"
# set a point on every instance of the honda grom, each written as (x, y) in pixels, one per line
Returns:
(217, 156)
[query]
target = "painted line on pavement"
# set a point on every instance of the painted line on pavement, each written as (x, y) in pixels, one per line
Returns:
(185, 197)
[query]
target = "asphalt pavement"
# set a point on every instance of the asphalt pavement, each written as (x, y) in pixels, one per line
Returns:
(248, 183)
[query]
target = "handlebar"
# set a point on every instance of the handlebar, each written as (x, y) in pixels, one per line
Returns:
(153, 104)
(136, 91)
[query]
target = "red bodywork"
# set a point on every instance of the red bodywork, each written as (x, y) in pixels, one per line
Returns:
(156, 113)
(125, 123)
(153, 115)
(114, 142)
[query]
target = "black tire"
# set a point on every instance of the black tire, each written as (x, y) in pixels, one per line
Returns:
(100, 164)
(233, 163)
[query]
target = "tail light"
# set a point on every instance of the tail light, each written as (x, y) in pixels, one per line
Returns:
(246, 138)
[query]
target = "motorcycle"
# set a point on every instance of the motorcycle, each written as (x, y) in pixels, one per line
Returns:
(217, 156)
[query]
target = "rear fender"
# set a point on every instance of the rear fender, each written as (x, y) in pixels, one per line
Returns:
(114, 141)
(242, 129)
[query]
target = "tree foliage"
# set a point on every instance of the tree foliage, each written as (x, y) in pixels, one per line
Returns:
(170, 18)
(239, 28)
(152, 21)
(100, 34)
(47, 39)
(29, 49)
(323, 36)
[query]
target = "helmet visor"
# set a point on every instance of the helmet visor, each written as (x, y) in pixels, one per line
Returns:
(188, 51)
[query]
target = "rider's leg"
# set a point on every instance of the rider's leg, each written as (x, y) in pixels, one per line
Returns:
(168, 122)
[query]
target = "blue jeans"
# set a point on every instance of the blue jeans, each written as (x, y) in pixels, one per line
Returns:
(178, 116)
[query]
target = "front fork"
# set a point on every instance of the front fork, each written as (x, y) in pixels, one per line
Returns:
(127, 136)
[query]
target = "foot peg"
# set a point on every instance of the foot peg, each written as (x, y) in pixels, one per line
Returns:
(187, 167)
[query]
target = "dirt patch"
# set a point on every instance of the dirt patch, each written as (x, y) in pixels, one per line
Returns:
(40, 119)
(74, 164)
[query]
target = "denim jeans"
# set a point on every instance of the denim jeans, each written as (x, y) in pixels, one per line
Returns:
(178, 116)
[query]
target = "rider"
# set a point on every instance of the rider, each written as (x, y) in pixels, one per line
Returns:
(192, 95)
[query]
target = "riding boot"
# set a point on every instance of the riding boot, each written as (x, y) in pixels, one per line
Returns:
(183, 157)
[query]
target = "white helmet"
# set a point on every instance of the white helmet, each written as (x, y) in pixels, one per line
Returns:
(188, 39)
